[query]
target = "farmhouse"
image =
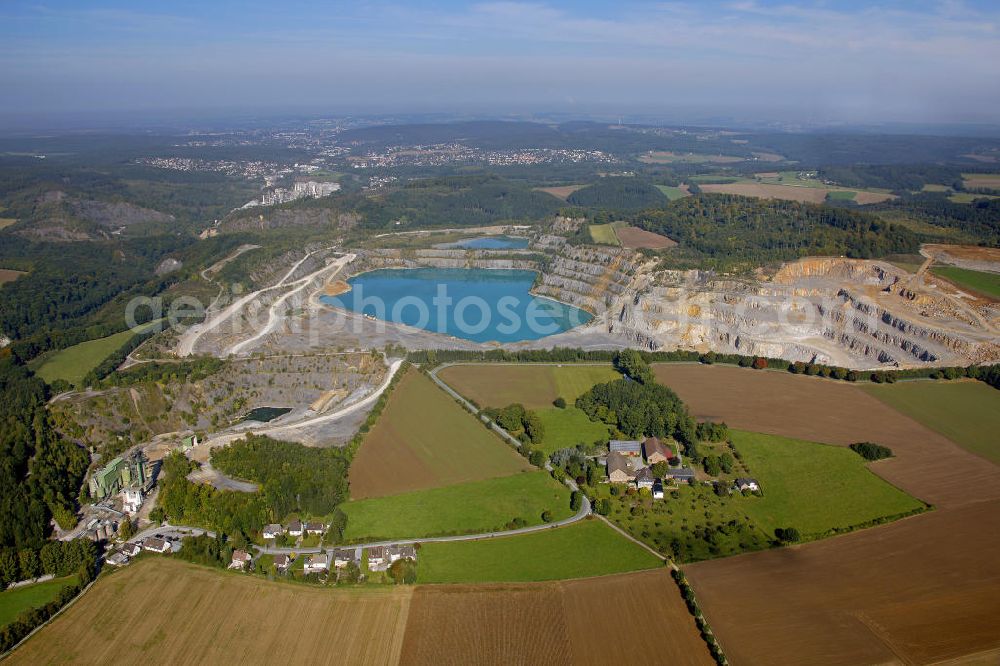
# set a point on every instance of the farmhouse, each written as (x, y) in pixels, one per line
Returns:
(273, 531)
(378, 558)
(644, 479)
(344, 556)
(682, 474)
(620, 468)
(316, 564)
(156, 545)
(625, 447)
(241, 559)
(282, 562)
(746, 484)
(295, 528)
(117, 559)
(656, 450)
(315, 528)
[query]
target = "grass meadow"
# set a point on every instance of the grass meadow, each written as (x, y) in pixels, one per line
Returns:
(987, 284)
(533, 385)
(603, 234)
(465, 508)
(565, 428)
(16, 601)
(586, 548)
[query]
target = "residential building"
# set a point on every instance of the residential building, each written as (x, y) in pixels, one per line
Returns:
(401, 553)
(644, 479)
(241, 559)
(747, 484)
(282, 562)
(620, 468)
(316, 563)
(131, 549)
(295, 529)
(658, 489)
(378, 558)
(657, 450)
(315, 528)
(273, 531)
(626, 447)
(117, 559)
(681, 474)
(156, 545)
(344, 556)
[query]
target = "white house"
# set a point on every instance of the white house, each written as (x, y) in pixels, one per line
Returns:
(273, 531)
(378, 558)
(316, 563)
(295, 529)
(644, 479)
(241, 559)
(117, 559)
(131, 549)
(344, 556)
(315, 528)
(401, 553)
(132, 499)
(282, 562)
(658, 489)
(156, 545)
(747, 484)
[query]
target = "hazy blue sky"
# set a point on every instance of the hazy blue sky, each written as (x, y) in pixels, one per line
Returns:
(852, 61)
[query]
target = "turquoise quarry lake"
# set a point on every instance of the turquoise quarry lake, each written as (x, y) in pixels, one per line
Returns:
(488, 243)
(474, 304)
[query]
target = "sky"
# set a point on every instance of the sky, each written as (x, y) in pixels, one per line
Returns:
(820, 61)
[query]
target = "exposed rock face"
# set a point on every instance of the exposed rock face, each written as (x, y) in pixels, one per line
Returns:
(58, 217)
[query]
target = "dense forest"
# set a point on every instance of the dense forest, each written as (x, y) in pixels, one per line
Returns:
(40, 474)
(981, 219)
(618, 193)
(898, 178)
(728, 231)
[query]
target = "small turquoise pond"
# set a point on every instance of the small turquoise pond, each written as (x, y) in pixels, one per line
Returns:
(265, 414)
(488, 243)
(473, 304)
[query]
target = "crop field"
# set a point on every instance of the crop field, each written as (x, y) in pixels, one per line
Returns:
(969, 197)
(603, 233)
(667, 157)
(814, 487)
(534, 386)
(583, 549)
(966, 412)
(562, 191)
(919, 591)
(986, 284)
(16, 601)
(162, 609)
(424, 439)
(981, 180)
(674, 192)
(798, 406)
(628, 618)
(806, 194)
(635, 238)
(467, 508)
(73, 363)
(8, 275)
(565, 428)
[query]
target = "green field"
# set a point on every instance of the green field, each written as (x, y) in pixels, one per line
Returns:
(565, 428)
(603, 234)
(73, 363)
(16, 601)
(583, 549)
(984, 283)
(425, 439)
(966, 412)
(841, 196)
(672, 192)
(533, 385)
(969, 197)
(467, 508)
(815, 487)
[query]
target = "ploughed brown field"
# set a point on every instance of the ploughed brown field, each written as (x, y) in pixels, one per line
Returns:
(168, 611)
(629, 618)
(635, 238)
(8, 275)
(561, 192)
(921, 590)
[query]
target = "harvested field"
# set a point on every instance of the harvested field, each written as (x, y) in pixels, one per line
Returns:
(865, 198)
(8, 275)
(667, 157)
(424, 439)
(604, 234)
(561, 192)
(167, 609)
(823, 410)
(918, 591)
(554, 623)
(965, 256)
(534, 386)
(789, 192)
(990, 181)
(635, 238)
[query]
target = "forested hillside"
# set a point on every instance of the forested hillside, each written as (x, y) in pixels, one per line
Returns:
(618, 194)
